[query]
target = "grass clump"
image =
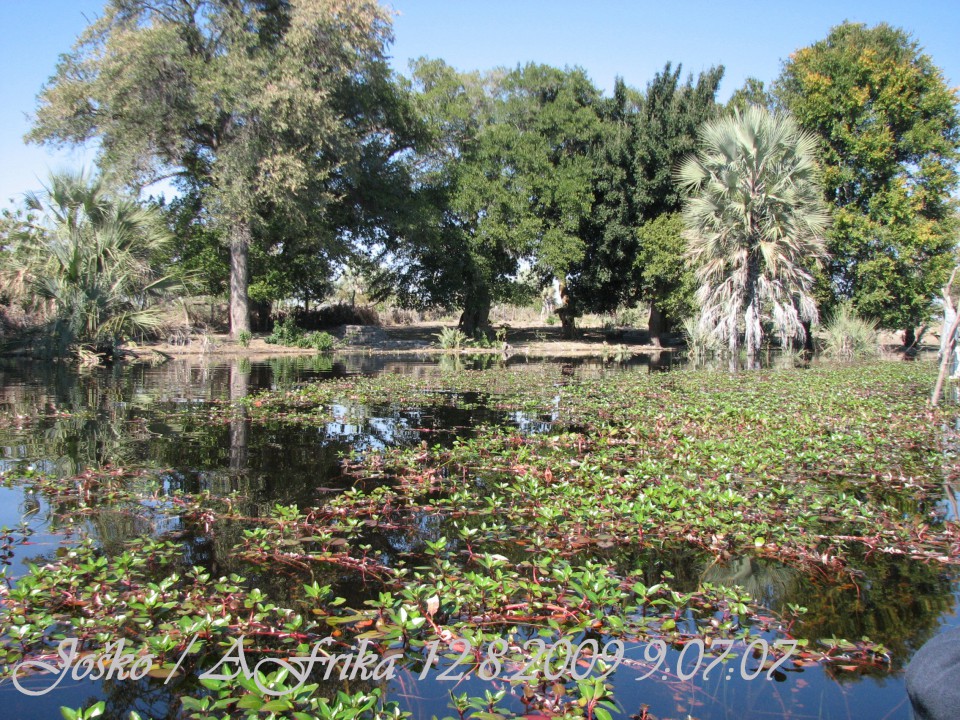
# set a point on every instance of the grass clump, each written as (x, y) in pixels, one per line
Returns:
(699, 338)
(849, 336)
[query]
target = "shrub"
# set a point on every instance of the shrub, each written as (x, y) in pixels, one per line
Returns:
(285, 332)
(243, 338)
(849, 336)
(451, 338)
(480, 340)
(319, 341)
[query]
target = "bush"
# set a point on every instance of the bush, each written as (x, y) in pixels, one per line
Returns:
(319, 341)
(287, 332)
(243, 338)
(848, 336)
(336, 315)
(451, 338)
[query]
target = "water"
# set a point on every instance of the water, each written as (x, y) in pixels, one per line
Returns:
(136, 417)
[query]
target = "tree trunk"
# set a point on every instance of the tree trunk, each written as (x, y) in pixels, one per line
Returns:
(568, 323)
(476, 315)
(946, 359)
(807, 336)
(655, 325)
(239, 279)
(909, 338)
(751, 331)
(733, 339)
(567, 314)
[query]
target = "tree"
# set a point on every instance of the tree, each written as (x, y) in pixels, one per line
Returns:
(553, 128)
(889, 141)
(664, 274)
(644, 137)
(669, 118)
(755, 221)
(753, 92)
(602, 281)
(244, 98)
(452, 245)
(503, 176)
(89, 259)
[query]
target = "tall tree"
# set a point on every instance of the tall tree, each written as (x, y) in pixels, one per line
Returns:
(755, 222)
(453, 245)
(602, 281)
(505, 176)
(668, 120)
(244, 97)
(629, 254)
(890, 136)
(553, 122)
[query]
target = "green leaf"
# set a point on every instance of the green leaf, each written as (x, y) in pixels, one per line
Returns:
(278, 705)
(250, 702)
(601, 714)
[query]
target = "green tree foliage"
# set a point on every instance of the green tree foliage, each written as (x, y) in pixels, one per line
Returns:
(645, 135)
(89, 260)
(451, 248)
(252, 101)
(197, 246)
(755, 222)
(664, 273)
(553, 118)
(603, 280)
(890, 133)
(753, 92)
(504, 175)
(668, 119)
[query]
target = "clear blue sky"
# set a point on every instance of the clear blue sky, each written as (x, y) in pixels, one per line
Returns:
(630, 38)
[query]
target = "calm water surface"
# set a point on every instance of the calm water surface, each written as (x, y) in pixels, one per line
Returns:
(129, 417)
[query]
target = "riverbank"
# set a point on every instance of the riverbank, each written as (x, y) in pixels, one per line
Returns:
(534, 340)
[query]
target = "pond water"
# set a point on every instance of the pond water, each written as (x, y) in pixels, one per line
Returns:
(148, 417)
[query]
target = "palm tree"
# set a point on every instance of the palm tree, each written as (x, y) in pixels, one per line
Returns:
(87, 260)
(755, 221)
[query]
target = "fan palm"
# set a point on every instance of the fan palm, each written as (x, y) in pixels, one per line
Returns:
(755, 221)
(89, 262)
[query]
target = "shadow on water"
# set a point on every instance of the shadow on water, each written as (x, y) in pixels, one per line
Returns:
(63, 421)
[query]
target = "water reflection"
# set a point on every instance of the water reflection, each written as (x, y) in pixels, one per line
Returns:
(64, 422)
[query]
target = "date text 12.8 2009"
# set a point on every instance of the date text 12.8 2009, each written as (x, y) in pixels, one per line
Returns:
(563, 660)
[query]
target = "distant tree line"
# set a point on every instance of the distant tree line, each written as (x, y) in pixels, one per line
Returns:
(298, 153)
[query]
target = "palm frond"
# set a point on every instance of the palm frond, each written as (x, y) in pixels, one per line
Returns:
(755, 223)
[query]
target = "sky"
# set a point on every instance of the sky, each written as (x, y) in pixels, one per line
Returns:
(632, 39)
